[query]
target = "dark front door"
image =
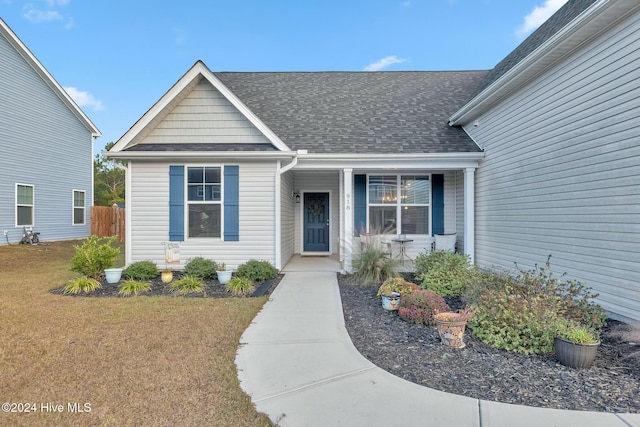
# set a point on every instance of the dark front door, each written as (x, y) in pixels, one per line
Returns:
(316, 222)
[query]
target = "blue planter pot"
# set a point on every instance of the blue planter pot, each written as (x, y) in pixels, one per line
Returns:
(113, 275)
(224, 276)
(391, 302)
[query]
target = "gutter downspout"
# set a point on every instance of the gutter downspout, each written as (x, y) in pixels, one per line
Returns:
(278, 211)
(127, 200)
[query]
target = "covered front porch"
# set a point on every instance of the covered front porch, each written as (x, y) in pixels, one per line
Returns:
(329, 211)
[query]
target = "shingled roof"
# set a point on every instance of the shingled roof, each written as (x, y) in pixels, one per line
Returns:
(548, 29)
(360, 112)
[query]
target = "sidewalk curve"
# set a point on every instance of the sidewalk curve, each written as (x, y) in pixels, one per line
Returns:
(299, 366)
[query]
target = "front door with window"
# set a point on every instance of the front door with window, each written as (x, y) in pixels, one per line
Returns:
(315, 212)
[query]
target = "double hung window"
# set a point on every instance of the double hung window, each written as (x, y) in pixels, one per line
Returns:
(399, 204)
(79, 198)
(24, 205)
(204, 200)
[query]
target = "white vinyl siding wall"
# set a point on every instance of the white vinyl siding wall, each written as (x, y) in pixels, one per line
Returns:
(150, 217)
(287, 218)
(43, 144)
(205, 116)
(561, 174)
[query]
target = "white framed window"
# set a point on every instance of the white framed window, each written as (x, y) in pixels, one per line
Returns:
(204, 201)
(25, 206)
(399, 204)
(79, 207)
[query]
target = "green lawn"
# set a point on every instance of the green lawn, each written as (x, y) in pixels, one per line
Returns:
(135, 361)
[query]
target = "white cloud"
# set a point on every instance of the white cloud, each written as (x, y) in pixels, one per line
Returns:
(538, 15)
(47, 13)
(84, 99)
(384, 63)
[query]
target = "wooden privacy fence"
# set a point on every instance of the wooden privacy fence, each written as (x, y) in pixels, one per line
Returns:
(108, 221)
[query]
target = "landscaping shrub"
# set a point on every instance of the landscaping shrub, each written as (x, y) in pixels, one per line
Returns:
(420, 306)
(373, 265)
(187, 285)
(446, 273)
(133, 287)
(240, 285)
(257, 271)
(520, 313)
(396, 284)
(82, 284)
(93, 256)
(141, 270)
(201, 268)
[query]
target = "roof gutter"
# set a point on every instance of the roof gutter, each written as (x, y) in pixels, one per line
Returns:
(517, 75)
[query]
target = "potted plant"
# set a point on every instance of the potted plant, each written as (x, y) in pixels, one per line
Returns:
(224, 274)
(576, 345)
(392, 290)
(451, 326)
(166, 275)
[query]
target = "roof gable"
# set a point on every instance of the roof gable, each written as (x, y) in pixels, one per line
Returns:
(197, 79)
(33, 62)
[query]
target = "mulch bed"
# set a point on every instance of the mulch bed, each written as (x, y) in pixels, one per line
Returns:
(213, 289)
(415, 353)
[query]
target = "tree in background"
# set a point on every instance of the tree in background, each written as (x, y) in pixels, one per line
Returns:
(108, 180)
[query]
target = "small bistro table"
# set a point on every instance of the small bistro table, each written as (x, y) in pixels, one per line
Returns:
(402, 254)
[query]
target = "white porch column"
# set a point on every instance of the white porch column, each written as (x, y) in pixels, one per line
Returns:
(347, 203)
(469, 213)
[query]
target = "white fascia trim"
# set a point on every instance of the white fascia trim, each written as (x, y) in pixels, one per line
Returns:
(190, 155)
(199, 68)
(434, 161)
(497, 88)
(22, 49)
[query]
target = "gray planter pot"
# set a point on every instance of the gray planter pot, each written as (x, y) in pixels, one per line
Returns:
(580, 356)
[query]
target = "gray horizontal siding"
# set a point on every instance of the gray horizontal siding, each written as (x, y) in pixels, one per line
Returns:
(561, 174)
(43, 144)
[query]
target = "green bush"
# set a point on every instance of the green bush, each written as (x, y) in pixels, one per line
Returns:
(93, 256)
(82, 284)
(420, 306)
(240, 285)
(446, 273)
(133, 287)
(373, 265)
(521, 312)
(141, 270)
(187, 285)
(257, 271)
(201, 268)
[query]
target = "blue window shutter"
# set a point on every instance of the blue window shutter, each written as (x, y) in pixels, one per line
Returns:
(231, 204)
(359, 203)
(176, 203)
(437, 202)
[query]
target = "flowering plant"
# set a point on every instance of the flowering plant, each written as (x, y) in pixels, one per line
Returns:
(396, 284)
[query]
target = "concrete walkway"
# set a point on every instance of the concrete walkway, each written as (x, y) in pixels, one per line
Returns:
(299, 366)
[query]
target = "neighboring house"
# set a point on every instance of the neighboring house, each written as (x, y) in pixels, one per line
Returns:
(541, 157)
(46, 141)
(559, 121)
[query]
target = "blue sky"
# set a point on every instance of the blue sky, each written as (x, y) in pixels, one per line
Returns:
(116, 58)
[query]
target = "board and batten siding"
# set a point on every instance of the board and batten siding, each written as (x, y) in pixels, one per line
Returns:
(149, 207)
(45, 145)
(205, 116)
(561, 174)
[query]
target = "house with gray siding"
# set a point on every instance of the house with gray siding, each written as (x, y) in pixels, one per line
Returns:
(537, 157)
(46, 167)
(558, 121)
